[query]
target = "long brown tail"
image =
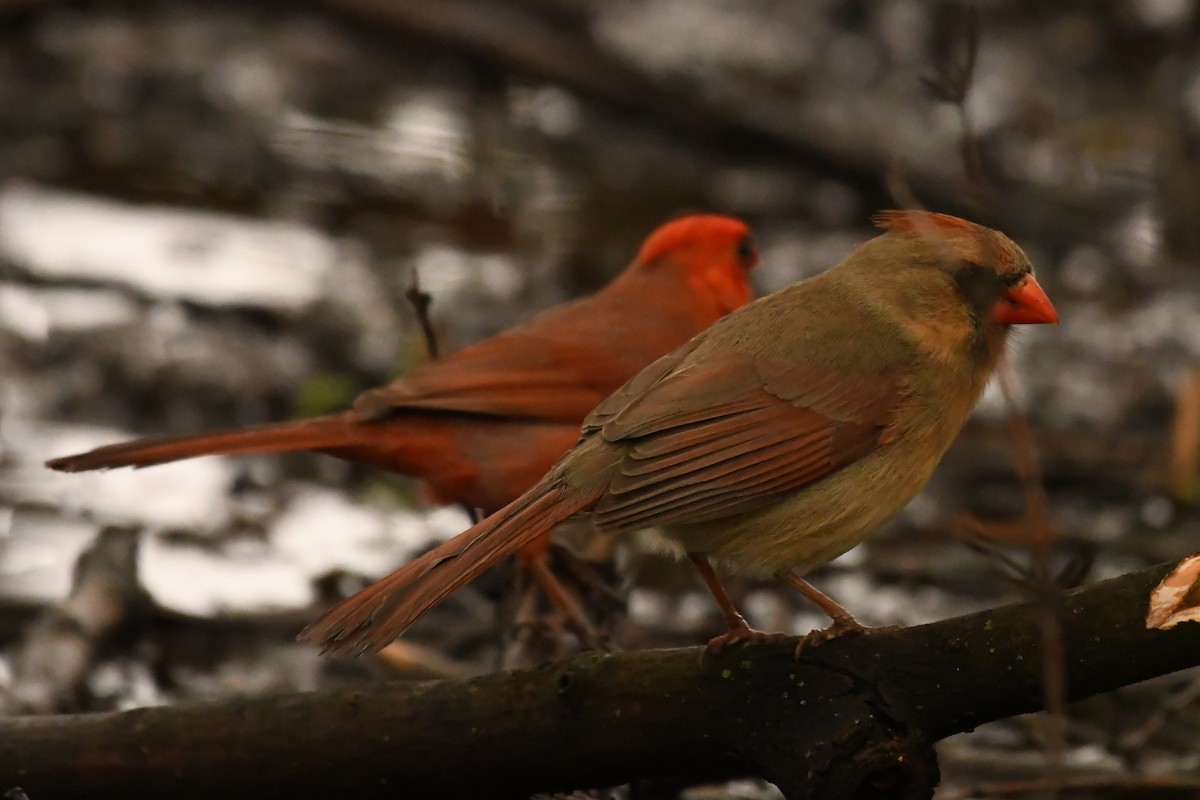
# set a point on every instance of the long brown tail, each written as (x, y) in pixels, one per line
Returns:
(369, 620)
(306, 434)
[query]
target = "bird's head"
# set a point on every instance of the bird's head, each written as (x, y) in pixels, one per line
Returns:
(991, 274)
(711, 253)
(954, 287)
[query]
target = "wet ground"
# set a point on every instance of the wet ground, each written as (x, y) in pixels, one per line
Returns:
(210, 213)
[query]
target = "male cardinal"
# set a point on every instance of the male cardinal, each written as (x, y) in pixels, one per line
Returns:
(481, 425)
(773, 441)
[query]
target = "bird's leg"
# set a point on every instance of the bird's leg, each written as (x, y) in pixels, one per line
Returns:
(842, 618)
(533, 636)
(739, 629)
(844, 623)
(586, 572)
(576, 618)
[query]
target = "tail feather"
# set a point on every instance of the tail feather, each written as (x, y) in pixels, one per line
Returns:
(371, 619)
(306, 434)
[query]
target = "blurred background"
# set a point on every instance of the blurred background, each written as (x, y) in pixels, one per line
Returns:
(210, 214)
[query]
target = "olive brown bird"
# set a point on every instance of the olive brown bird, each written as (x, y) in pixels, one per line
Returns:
(775, 440)
(483, 424)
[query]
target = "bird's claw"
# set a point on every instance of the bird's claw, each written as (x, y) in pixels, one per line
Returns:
(846, 626)
(733, 636)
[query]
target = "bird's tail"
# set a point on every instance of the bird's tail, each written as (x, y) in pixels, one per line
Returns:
(369, 620)
(306, 434)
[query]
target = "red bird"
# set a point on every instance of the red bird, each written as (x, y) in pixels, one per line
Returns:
(483, 424)
(774, 441)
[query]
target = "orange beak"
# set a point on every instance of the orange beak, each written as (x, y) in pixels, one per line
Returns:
(1025, 304)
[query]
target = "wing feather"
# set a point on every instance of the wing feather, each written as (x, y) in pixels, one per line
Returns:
(510, 375)
(710, 439)
(694, 448)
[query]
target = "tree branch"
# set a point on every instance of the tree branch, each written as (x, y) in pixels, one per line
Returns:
(854, 718)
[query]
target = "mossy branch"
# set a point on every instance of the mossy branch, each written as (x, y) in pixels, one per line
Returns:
(854, 718)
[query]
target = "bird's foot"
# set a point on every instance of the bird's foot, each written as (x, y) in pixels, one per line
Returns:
(589, 636)
(842, 626)
(555, 623)
(568, 605)
(535, 634)
(737, 634)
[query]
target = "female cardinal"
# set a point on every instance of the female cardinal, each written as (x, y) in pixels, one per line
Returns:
(481, 425)
(773, 441)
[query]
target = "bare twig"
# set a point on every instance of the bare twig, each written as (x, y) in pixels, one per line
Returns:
(1136, 739)
(58, 651)
(955, 53)
(1035, 532)
(899, 187)
(421, 301)
(1041, 579)
(521, 42)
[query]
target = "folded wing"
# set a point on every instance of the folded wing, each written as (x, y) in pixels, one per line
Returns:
(712, 439)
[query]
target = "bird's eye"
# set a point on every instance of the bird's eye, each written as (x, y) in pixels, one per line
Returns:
(1010, 279)
(747, 253)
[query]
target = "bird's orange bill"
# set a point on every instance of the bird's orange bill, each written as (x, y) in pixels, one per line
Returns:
(1025, 304)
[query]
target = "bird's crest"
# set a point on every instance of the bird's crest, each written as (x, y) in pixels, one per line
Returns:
(675, 236)
(967, 241)
(923, 222)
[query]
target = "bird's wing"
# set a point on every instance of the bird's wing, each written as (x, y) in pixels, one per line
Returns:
(637, 387)
(515, 374)
(553, 367)
(725, 434)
